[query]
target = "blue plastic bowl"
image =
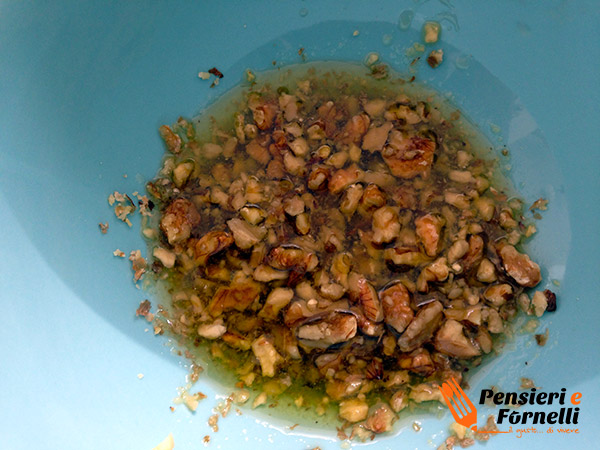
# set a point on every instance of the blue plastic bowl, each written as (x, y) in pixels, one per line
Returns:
(84, 86)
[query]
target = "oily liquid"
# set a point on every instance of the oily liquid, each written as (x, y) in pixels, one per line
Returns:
(334, 78)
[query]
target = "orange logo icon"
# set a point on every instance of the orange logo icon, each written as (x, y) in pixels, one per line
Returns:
(461, 407)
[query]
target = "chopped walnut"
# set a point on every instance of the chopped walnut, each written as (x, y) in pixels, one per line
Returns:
(144, 308)
(435, 58)
(541, 339)
(138, 264)
(123, 206)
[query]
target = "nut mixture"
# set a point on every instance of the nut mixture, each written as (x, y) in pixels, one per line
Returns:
(339, 238)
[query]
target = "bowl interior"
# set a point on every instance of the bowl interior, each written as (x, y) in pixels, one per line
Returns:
(91, 94)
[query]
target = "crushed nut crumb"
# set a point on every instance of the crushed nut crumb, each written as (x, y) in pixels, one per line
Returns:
(213, 422)
(138, 264)
(527, 383)
(119, 253)
(216, 72)
(431, 32)
(551, 300)
(144, 308)
(541, 339)
(145, 204)
(435, 58)
(540, 204)
(103, 227)
(123, 206)
(240, 397)
(490, 425)
(190, 400)
(379, 71)
(341, 434)
(195, 372)
(466, 442)
(250, 76)
(224, 407)
(530, 231)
